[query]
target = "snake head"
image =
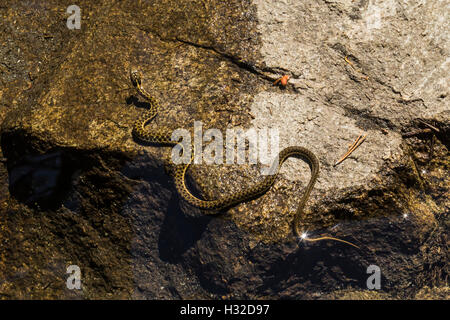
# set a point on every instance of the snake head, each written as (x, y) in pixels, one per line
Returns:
(135, 77)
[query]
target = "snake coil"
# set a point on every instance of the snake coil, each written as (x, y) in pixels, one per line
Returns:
(163, 136)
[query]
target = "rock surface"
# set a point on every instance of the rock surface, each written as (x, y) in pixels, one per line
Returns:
(76, 188)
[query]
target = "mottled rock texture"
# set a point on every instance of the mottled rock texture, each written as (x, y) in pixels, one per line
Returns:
(76, 188)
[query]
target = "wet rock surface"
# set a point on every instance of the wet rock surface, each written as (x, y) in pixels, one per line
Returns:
(76, 189)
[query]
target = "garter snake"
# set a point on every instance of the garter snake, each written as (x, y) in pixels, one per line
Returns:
(163, 136)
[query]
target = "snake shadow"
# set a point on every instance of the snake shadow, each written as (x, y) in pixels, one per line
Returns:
(134, 100)
(183, 225)
(180, 231)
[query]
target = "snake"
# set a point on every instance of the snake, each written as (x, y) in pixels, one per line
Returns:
(162, 136)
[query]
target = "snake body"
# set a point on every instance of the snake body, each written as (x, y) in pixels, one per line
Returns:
(163, 136)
